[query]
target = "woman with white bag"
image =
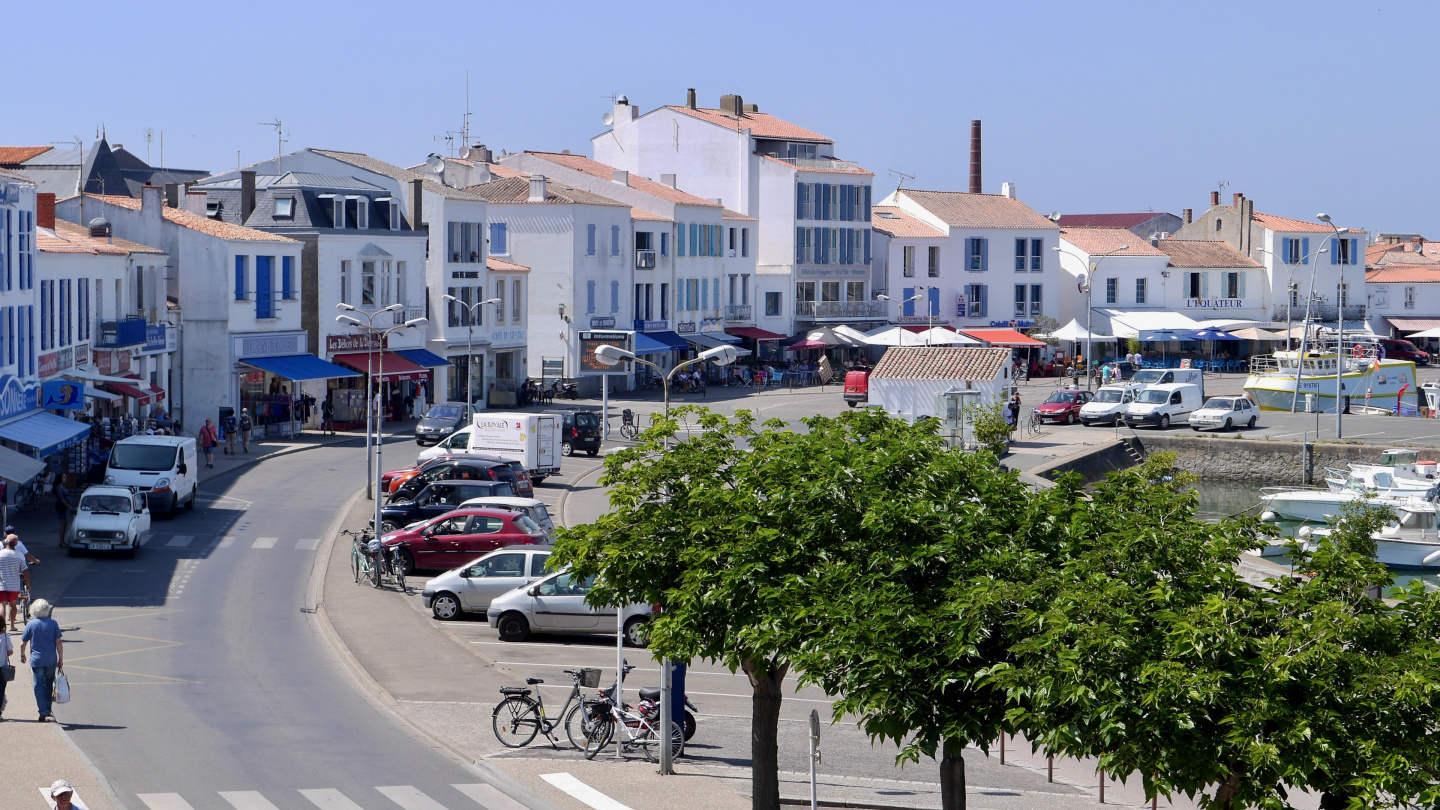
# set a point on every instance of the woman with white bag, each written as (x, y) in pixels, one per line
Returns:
(47, 656)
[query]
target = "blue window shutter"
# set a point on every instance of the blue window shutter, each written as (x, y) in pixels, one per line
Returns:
(614, 240)
(1285, 250)
(664, 243)
(589, 240)
(680, 239)
(1354, 252)
(712, 231)
(694, 239)
(934, 301)
(867, 238)
(1305, 250)
(909, 308)
(287, 277)
(799, 200)
(984, 300)
(824, 196)
(799, 245)
(614, 297)
(867, 203)
(847, 195)
(1334, 250)
(589, 296)
(984, 254)
(239, 278)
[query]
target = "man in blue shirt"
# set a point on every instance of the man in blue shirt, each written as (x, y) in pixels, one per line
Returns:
(47, 653)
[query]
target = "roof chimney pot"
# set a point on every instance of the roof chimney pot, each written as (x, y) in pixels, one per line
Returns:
(45, 210)
(1187, 215)
(667, 180)
(247, 194)
(1235, 201)
(690, 98)
(734, 105)
(537, 188)
(1008, 190)
(172, 195)
(620, 176)
(1214, 198)
(975, 184)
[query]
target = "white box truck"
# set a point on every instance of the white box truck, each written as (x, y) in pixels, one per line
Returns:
(533, 439)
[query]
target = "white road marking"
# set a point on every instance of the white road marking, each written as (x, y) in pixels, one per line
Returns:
(490, 798)
(265, 542)
(247, 800)
(308, 544)
(226, 541)
(583, 792)
(164, 801)
(180, 541)
(410, 798)
(328, 799)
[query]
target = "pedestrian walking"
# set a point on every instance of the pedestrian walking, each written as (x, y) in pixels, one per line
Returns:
(1105, 374)
(420, 399)
(14, 574)
(208, 439)
(62, 795)
(327, 415)
(47, 654)
(245, 427)
(7, 649)
(229, 425)
(63, 505)
(30, 559)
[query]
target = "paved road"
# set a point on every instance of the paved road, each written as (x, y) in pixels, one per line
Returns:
(196, 674)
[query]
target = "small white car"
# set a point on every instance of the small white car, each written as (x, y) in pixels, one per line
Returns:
(530, 507)
(556, 604)
(1225, 413)
(1108, 406)
(473, 586)
(109, 518)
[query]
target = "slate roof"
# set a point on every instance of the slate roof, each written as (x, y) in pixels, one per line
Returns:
(645, 185)
(1107, 220)
(941, 363)
(761, 125)
(963, 210)
(1408, 273)
(70, 237)
(195, 222)
(502, 266)
(517, 190)
(13, 155)
(1097, 241)
(364, 161)
(1197, 253)
(901, 224)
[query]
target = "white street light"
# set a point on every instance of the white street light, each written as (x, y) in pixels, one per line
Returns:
(470, 318)
(1089, 290)
(929, 310)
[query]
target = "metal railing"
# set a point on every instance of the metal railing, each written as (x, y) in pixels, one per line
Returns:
(840, 309)
(738, 312)
(1318, 312)
(644, 260)
(820, 163)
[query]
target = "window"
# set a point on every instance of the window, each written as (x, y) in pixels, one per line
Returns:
(590, 241)
(394, 215)
(975, 300)
(345, 283)
(362, 212)
(772, 304)
(644, 240)
(1217, 225)
(732, 242)
(367, 284)
(832, 200)
(804, 291)
(934, 261)
(744, 241)
(615, 241)
(240, 273)
(1291, 251)
(401, 296)
(140, 289)
(590, 296)
(1111, 290)
(855, 291)
(1139, 290)
(694, 239)
(908, 262)
(338, 211)
(1409, 297)
(1037, 253)
(664, 301)
(45, 313)
(500, 294)
(664, 243)
(1195, 285)
(1232, 285)
(977, 254)
(1345, 251)
(680, 239)
(499, 242)
(287, 277)
(284, 207)
(614, 297)
(515, 301)
(1294, 296)
(1020, 290)
(1035, 292)
(745, 289)
(83, 288)
(1022, 259)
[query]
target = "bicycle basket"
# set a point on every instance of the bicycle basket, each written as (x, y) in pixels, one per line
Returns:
(590, 678)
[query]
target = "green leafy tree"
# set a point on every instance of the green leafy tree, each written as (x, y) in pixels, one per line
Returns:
(1044, 326)
(989, 427)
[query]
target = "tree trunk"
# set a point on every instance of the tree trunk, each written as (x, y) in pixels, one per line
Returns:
(765, 678)
(1225, 794)
(952, 774)
(1331, 800)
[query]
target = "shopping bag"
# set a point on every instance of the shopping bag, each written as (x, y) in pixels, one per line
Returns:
(62, 687)
(7, 672)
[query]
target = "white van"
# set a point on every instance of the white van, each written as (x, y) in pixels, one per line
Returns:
(1163, 405)
(163, 467)
(1108, 406)
(1165, 376)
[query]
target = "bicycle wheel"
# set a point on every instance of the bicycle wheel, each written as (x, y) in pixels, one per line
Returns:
(375, 573)
(355, 564)
(22, 605)
(628, 431)
(598, 733)
(515, 721)
(25, 499)
(578, 721)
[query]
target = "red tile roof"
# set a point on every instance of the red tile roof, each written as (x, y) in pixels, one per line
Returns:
(1196, 253)
(70, 237)
(1107, 220)
(1095, 241)
(1402, 253)
(1407, 273)
(962, 210)
(648, 216)
(195, 222)
(736, 216)
(16, 176)
(517, 190)
(761, 125)
(502, 266)
(504, 171)
(595, 168)
(901, 224)
(13, 155)
(1286, 224)
(941, 363)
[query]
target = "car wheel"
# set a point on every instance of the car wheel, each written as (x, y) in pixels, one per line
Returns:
(190, 504)
(1228, 425)
(388, 526)
(689, 725)
(1070, 418)
(513, 627)
(851, 404)
(637, 633)
(1164, 421)
(1085, 423)
(592, 453)
(538, 480)
(567, 449)
(72, 551)
(446, 606)
(128, 554)
(1117, 421)
(1251, 424)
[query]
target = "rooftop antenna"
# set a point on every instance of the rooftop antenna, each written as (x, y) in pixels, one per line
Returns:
(465, 122)
(449, 139)
(149, 137)
(1223, 184)
(901, 177)
(280, 140)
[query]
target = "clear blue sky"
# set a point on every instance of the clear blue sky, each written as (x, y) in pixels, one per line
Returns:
(1088, 107)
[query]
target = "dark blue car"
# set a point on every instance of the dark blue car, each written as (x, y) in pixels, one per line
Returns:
(437, 499)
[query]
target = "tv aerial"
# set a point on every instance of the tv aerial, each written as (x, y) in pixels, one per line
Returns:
(900, 177)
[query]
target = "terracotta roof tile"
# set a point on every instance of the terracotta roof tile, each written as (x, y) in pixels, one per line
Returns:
(502, 266)
(70, 237)
(940, 363)
(1402, 253)
(963, 210)
(595, 168)
(761, 125)
(1408, 273)
(1286, 224)
(1107, 220)
(648, 216)
(1095, 241)
(195, 222)
(504, 171)
(1196, 253)
(16, 176)
(12, 155)
(901, 224)
(512, 190)
(736, 216)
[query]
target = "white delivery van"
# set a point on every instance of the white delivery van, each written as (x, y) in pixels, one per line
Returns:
(163, 467)
(1108, 406)
(1162, 405)
(1165, 376)
(108, 518)
(533, 439)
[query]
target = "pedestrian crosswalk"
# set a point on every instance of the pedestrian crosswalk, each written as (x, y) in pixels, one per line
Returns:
(391, 797)
(192, 542)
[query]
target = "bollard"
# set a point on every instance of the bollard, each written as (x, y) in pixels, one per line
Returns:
(1002, 749)
(1102, 785)
(1050, 777)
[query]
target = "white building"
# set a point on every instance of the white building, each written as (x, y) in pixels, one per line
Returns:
(940, 381)
(813, 209)
(1404, 298)
(967, 260)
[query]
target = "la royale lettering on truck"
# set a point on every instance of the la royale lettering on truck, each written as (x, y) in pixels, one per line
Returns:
(497, 434)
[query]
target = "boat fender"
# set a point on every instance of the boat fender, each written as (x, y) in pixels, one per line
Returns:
(1305, 531)
(1267, 517)
(1432, 558)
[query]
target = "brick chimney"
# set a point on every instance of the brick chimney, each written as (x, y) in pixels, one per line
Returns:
(247, 194)
(1214, 198)
(975, 184)
(690, 98)
(1186, 215)
(45, 210)
(1417, 243)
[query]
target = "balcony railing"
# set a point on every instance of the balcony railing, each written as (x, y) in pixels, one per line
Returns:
(737, 312)
(411, 313)
(840, 309)
(1319, 312)
(117, 334)
(644, 260)
(820, 163)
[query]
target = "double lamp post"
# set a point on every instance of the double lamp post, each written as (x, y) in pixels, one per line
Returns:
(470, 319)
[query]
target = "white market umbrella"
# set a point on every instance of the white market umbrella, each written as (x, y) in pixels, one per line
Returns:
(1428, 333)
(856, 337)
(893, 336)
(940, 336)
(1073, 331)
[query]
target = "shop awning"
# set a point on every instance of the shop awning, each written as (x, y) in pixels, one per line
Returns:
(129, 390)
(45, 432)
(754, 333)
(394, 366)
(299, 367)
(19, 467)
(1008, 338)
(423, 357)
(1414, 324)
(91, 392)
(710, 341)
(644, 344)
(156, 392)
(671, 339)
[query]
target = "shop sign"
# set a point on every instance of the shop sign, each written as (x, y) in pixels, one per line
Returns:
(685, 327)
(62, 395)
(269, 345)
(1014, 324)
(82, 355)
(1215, 303)
(960, 305)
(652, 326)
(157, 339)
(508, 337)
(362, 342)
(17, 398)
(590, 341)
(49, 364)
(607, 322)
(112, 361)
(712, 325)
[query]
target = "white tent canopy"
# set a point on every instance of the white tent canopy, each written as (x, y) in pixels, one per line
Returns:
(1428, 333)
(1143, 324)
(1074, 331)
(893, 336)
(940, 336)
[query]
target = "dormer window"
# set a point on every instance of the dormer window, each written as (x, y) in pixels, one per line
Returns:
(361, 211)
(212, 209)
(337, 209)
(393, 209)
(284, 207)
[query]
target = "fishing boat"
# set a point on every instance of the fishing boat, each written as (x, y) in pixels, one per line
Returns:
(1293, 380)
(1410, 540)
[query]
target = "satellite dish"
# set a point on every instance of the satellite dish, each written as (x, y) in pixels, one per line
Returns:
(435, 164)
(465, 152)
(607, 119)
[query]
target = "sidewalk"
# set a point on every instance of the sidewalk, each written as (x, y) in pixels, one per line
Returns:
(36, 754)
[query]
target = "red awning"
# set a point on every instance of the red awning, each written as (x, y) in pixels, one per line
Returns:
(1008, 338)
(157, 393)
(140, 397)
(394, 366)
(761, 335)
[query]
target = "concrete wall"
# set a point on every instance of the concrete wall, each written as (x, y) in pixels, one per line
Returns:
(1215, 458)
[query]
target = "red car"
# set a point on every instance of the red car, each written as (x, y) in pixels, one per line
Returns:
(457, 537)
(1063, 406)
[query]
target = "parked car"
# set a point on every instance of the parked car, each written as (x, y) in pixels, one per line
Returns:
(109, 518)
(437, 499)
(1063, 405)
(579, 431)
(455, 443)
(1163, 405)
(165, 467)
(473, 586)
(453, 538)
(465, 467)
(556, 604)
(443, 419)
(1108, 406)
(1225, 413)
(524, 485)
(1399, 349)
(536, 510)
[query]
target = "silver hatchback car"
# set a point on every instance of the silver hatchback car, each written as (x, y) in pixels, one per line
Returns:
(473, 586)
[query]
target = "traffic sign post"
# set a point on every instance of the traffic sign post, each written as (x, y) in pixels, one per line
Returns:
(814, 756)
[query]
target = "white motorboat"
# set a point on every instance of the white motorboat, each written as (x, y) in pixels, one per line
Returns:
(1383, 482)
(1411, 540)
(1316, 505)
(1405, 466)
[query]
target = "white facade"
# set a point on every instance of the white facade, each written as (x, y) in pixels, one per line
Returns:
(17, 280)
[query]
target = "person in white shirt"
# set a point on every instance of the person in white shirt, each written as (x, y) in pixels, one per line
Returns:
(13, 574)
(20, 546)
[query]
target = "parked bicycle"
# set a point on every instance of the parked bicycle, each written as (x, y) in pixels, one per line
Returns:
(391, 564)
(360, 565)
(30, 493)
(519, 718)
(627, 425)
(639, 727)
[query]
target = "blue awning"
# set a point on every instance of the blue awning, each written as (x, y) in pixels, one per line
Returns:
(670, 339)
(300, 367)
(45, 432)
(422, 357)
(645, 344)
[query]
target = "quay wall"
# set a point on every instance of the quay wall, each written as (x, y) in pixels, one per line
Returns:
(1215, 457)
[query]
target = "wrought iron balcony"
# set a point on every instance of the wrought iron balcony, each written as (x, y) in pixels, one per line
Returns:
(738, 312)
(865, 310)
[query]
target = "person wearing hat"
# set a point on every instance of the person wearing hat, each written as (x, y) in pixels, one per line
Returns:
(62, 796)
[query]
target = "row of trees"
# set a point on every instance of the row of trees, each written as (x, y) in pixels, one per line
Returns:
(945, 603)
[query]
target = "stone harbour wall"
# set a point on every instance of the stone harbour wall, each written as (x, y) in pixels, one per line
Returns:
(1215, 457)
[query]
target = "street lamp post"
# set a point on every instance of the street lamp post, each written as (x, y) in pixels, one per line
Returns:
(929, 310)
(470, 347)
(1089, 291)
(1290, 291)
(369, 367)
(1339, 320)
(611, 356)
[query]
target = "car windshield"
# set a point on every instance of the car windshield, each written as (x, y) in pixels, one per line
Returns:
(586, 419)
(1107, 395)
(527, 525)
(1062, 396)
(151, 457)
(1154, 396)
(443, 412)
(1148, 376)
(114, 504)
(1220, 403)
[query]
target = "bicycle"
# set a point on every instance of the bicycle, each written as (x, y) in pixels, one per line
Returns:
(22, 602)
(602, 716)
(627, 425)
(518, 718)
(29, 495)
(392, 565)
(360, 564)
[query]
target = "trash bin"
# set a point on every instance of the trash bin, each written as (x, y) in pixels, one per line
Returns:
(1309, 403)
